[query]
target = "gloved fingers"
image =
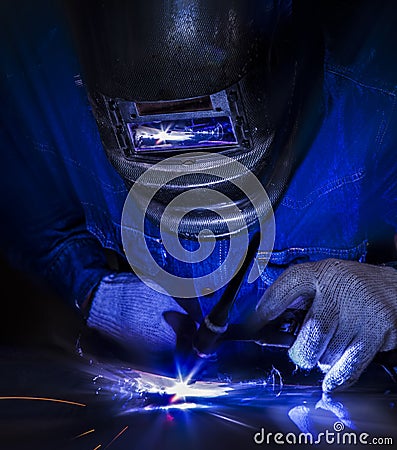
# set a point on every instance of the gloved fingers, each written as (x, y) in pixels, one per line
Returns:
(155, 331)
(296, 282)
(352, 363)
(338, 344)
(184, 328)
(315, 334)
(131, 313)
(302, 303)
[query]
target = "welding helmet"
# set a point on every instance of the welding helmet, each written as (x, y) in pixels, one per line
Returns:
(208, 77)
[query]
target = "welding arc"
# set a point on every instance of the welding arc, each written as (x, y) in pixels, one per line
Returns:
(215, 323)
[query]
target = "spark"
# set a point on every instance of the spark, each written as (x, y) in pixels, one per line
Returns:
(229, 419)
(188, 378)
(98, 446)
(117, 436)
(56, 400)
(84, 434)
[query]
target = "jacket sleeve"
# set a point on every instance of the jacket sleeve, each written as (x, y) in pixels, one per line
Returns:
(42, 139)
(43, 230)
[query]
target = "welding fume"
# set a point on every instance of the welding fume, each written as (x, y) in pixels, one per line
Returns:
(240, 177)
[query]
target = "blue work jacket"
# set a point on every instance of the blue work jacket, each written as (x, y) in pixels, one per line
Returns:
(62, 200)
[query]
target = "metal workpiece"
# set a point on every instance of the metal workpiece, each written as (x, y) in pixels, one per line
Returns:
(52, 400)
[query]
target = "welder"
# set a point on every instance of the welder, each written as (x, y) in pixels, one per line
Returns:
(97, 93)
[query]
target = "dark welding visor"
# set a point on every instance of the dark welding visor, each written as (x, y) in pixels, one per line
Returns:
(151, 50)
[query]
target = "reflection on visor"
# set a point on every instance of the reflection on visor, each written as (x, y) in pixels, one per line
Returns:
(182, 134)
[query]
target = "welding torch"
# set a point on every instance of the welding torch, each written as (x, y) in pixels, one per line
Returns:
(215, 327)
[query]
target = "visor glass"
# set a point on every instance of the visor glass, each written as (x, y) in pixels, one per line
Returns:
(183, 134)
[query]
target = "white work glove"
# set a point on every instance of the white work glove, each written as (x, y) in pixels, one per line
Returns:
(352, 315)
(126, 310)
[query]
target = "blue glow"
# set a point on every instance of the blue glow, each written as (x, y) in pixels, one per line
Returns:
(183, 134)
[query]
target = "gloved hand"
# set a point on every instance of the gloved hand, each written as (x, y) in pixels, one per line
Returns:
(128, 311)
(352, 315)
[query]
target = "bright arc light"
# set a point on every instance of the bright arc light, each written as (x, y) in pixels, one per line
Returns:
(202, 389)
